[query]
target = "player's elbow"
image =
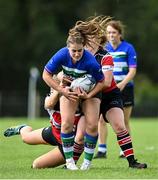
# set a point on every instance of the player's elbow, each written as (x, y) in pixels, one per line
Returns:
(44, 75)
(47, 103)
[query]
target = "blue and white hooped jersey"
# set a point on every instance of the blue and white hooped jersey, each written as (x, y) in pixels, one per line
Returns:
(124, 57)
(87, 64)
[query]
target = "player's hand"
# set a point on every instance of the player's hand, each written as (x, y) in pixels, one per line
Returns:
(66, 80)
(81, 93)
(121, 86)
(72, 96)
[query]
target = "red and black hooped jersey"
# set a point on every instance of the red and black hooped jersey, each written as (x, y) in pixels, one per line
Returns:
(55, 120)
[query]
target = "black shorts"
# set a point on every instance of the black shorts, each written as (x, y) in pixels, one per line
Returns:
(98, 95)
(110, 100)
(128, 96)
(48, 136)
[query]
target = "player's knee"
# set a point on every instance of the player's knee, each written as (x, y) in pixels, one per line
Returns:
(25, 139)
(92, 128)
(67, 127)
(79, 138)
(119, 128)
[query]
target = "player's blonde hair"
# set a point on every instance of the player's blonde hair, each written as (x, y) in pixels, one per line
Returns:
(94, 27)
(102, 21)
(84, 31)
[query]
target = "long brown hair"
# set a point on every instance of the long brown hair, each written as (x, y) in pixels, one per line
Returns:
(102, 22)
(83, 32)
(93, 27)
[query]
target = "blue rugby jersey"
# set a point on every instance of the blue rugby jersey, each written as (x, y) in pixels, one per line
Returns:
(124, 57)
(87, 64)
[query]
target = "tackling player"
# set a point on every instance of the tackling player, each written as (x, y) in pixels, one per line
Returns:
(51, 135)
(111, 107)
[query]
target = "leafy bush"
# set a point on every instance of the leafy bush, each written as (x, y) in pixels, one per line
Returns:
(146, 96)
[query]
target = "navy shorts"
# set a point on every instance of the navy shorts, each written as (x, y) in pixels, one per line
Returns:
(98, 95)
(128, 96)
(48, 136)
(110, 100)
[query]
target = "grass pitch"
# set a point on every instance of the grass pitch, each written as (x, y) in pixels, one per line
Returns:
(16, 157)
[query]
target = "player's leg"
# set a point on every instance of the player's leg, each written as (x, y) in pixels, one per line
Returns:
(28, 135)
(127, 114)
(115, 117)
(128, 103)
(102, 138)
(67, 110)
(79, 139)
(53, 158)
(91, 111)
(32, 137)
(81, 126)
(13, 130)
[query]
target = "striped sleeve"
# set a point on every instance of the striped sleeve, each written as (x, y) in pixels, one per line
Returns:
(107, 63)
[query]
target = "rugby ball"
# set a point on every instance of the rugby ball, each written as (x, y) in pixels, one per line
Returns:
(86, 82)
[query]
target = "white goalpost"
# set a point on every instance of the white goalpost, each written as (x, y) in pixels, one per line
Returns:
(32, 93)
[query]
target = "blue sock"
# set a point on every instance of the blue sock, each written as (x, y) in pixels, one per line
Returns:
(102, 148)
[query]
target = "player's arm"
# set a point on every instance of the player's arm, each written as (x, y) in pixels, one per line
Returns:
(52, 83)
(132, 63)
(98, 87)
(128, 78)
(107, 68)
(47, 77)
(51, 100)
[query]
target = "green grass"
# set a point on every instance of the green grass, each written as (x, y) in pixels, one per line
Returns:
(16, 157)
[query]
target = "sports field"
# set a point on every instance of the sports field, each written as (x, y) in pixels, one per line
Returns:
(16, 157)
